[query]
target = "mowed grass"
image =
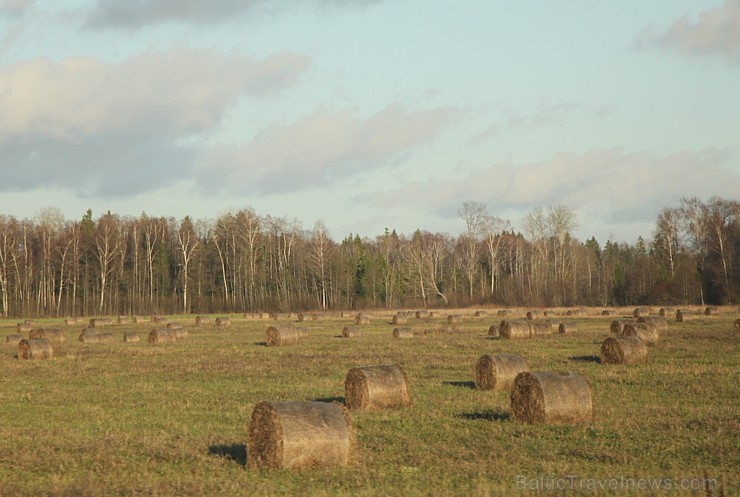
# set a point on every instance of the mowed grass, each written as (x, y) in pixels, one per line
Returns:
(137, 419)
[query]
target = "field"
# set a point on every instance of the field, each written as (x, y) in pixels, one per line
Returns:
(140, 419)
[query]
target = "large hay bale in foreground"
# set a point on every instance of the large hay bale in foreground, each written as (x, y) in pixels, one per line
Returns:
(645, 331)
(223, 321)
(567, 327)
(497, 372)
(377, 387)
(659, 322)
(162, 335)
(514, 328)
(201, 320)
(350, 332)
(403, 332)
(131, 337)
(617, 326)
(552, 397)
(296, 435)
(54, 335)
(35, 348)
(624, 350)
(279, 336)
(15, 338)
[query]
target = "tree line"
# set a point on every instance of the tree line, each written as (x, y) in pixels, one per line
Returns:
(244, 262)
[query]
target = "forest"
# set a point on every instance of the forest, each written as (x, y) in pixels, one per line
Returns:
(245, 262)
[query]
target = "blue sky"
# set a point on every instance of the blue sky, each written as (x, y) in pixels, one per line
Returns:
(369, 114)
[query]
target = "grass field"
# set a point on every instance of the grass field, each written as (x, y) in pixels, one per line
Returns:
(138, 419)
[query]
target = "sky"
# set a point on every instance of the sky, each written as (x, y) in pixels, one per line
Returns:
(370, 114)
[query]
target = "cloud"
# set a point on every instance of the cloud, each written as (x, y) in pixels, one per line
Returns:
(715, 32)
(119, 128)
(14, 8)
(135, 14)
(320, 148)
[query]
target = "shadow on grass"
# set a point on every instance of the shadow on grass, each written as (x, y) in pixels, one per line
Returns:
(586, 358)
(462, 384)
(485, 415)
(261, 344)
(330, 399)
(235, 452)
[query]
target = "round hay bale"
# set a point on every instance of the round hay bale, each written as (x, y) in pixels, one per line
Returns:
(659, 322)
(95, 337)
(180, 333)
(201, 320)
(13, 338)
(539, 328)
(296, 435)
(737, 324)
(568, 327)
(497, 372)
(23, 327)
(223, 322)
(533, 314)
(665, 311)
(35, 348)
(162, 335)
(552, 397)
(403, 332)
(607, 312)
(573, 312)
(350, 332)
(454, 319)
(554, 323)
(279, 336)
(300, 317)
(422, 314)
(273, 316)
(361, 320)
(514, 328)
(376, 387)
(138, 319)
(481, 314)
(124, 319)
(100, 322)
(131, 337)
(493, 330)
(624, 350)
(70, 321)
(54, 335)
(314, 317)
(710, 311)
(174, 326)
(683, 316)
(618, 325)
(503, 312)
(644, 331)
(399, 319)
(641, 311)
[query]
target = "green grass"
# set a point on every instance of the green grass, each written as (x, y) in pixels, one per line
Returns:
(137, 419)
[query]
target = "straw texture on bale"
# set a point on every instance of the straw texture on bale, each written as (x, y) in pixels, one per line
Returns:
(497, 372)
(659, 322)
(279, 336)
(567, 327)
(644, 331)
(552, 397)
(682, 316)
(361, 320)
(665, 312)
(350, 332)
(300, 317)
(35, 348)
(162, 335)
(624, 350)
(554, 324)
(514, 328)
(201, 320)
(503, 312)
(422, 314)
(403, 332)
(73, 320)
(131, 336)
(493, 330)
(377, 387)
(641, 311)
(617, 326)
(13, 338)
(573, 312)
(54, 335)
(180, 333)
(399, 319)
(607, 312)
(174, 326)
(100, 322)
(296, 435)
(709, 311)
(539, 328)
(454, 319)
(223, 321)
(23, 327)
(737, 324)
(533, 314)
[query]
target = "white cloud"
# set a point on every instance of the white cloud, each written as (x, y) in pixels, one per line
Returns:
(14, 8)
(320, 148)
(715, 32)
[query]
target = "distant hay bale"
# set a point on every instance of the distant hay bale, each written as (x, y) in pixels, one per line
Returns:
(138, 319)
(35, 348)
(645, 331)
(273, 316)
(350, 332)
(552, 397)
(23, 327)
(659, 322)
(617, 326)
(300, 317)
(201, 320)
(493, 330)
(88, 336)
(433, 314)
(422, 314)
(567, 327)
(624, 350)
(100, 322)
(573, 312)
(296, 435)
(503, 312)
(124, 319)
(223, 322)
(361, 320)
(314, 317)
(377, 387)
(737, 324)
(403, 332)
(158, 319)
(174, 326)
(539, 328)
(710, 311)
(399, 319)
(162, 335)
(180, 332)
(54, 335)
(454, 319)
(497, 372)
(665, 312)
(533, 314)
(280, 336)
(554, 324)
(607, 312)
(13, 338)
(481, 314)
(683, 316)
(641, 311)
(70, 321)
(131, 337)
(514, 328)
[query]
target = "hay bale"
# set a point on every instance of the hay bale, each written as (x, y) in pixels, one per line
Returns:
(533, 314)
(314, 317)
(552, 397)
(454, 319)
(376, 387)
(617, 326)
(100, 322)
(35, 348)
(23, 327)
(95, 337)
(554, 323)
(403, 332)
(683, 316)
(350, 332)
(422, 314)
(659, 322)
(54, 335)
(162, 335)
(279, 336)
(131, 337)
(710, 311)
(641, 311)
(737, 324)
(481, 314)
(514, 328)
(399, 319)
(624, 350)
(493, 330)
(301, 317)
(361, 320)
(13, 338)
(138, 319)
(539, 328)
(273, 316)
(497, 372)
(124, 319)
(174, 326)
(607, 312)
(223, 322)
(201, 320)
(573, 312)
(180, 333)
(644, 331)
(70, 321)
(296, 435)
(665, 311)
(568, 327)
